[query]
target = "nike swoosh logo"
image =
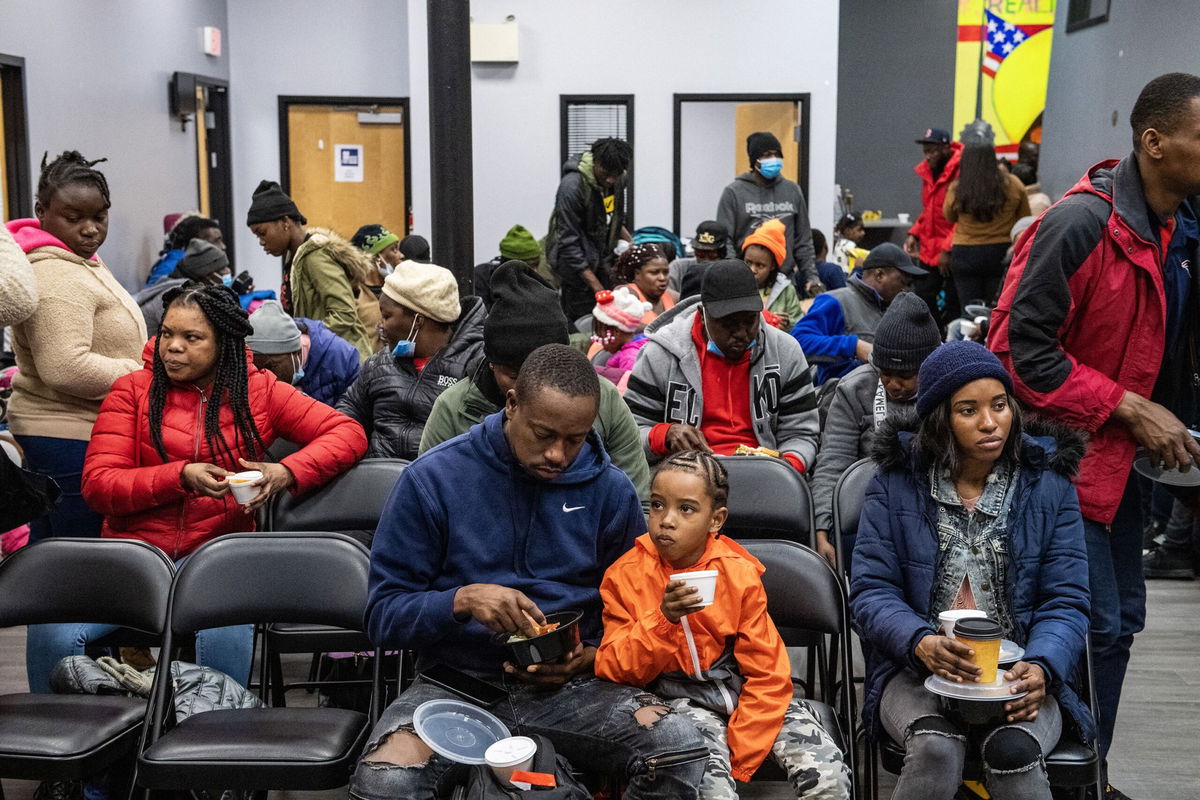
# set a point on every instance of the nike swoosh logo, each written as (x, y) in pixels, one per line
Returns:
(568, 509)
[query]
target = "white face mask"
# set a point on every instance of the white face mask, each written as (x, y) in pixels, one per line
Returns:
(384, 268)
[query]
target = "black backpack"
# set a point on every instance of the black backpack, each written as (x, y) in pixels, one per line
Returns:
(478, 782)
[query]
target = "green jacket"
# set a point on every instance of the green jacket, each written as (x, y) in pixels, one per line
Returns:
(464, 404)
(322, 288)
(783, 300)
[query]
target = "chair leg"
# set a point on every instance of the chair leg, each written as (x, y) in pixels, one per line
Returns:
(314, 669)
(278, 695)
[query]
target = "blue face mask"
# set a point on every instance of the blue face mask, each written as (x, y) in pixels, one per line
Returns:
(227, 280)
(716, 351)
(297, 373)
(406, 348)
(770, 167)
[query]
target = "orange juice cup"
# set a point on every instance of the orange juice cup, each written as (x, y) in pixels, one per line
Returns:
(983, 636)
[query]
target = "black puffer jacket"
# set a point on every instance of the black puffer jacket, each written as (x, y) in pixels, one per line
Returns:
(392, 400)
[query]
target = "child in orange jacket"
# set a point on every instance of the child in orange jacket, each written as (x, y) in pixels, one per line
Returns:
(723, 665)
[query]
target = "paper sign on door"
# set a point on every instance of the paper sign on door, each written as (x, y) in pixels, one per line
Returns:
(348, 163)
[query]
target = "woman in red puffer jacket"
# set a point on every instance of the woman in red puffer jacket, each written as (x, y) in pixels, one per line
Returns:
(169, 435)
(162, 448)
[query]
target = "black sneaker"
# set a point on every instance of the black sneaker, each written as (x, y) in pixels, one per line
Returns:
(1164, 563)
(1111, 793)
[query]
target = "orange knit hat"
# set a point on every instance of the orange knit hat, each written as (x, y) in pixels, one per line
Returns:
(770, 235)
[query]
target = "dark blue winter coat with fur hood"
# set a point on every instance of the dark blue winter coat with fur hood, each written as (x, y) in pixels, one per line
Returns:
(896, 558)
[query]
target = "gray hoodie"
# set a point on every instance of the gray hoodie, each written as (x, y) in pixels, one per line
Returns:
(849, 429)
(751, 199)
(666, 385)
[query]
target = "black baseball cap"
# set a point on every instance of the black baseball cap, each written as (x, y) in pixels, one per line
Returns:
(729, 287)
(889, 254)
(710, 235)
(934, 136)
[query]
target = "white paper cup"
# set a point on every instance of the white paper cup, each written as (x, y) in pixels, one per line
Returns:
(947, 618)
(510, 755)
(705, 580)
(242, 486)
(904, 218)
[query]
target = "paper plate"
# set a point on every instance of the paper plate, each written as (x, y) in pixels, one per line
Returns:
(1010, 652)
(998, 690)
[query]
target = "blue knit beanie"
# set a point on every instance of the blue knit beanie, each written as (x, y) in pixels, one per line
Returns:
(951, 367)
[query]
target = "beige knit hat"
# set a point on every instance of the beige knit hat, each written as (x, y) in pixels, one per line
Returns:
(427, 289)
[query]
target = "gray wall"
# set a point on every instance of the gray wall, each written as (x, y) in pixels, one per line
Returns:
(1099, 70)
(96, 81)
(895, 79)
(301, 47)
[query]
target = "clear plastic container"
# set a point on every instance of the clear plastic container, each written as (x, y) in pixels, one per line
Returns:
(458, 731)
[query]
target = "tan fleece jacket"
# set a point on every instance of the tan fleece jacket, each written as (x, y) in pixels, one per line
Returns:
(86, 332)
(18, 288)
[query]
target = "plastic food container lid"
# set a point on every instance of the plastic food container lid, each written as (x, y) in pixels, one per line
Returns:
(977, 628)
(511, 751)
(458, 731)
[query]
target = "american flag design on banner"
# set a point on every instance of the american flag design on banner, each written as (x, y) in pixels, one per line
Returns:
(1002, 38)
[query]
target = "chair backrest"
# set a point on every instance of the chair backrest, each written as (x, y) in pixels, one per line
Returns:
(352, 501)
(768, 499)
(241, 578)
(803, 591)
(849, 494)
(110, 581)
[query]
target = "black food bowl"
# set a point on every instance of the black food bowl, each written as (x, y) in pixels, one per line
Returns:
(548, 647)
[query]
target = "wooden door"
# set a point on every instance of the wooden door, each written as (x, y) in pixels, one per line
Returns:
(314, 133)
(781, 119)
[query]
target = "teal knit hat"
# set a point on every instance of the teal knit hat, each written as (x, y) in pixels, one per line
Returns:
(518, 244)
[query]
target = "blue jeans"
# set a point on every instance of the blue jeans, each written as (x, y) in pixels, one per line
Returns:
(1118, 590)
(62, 460)
(229, 649)
(595, 724)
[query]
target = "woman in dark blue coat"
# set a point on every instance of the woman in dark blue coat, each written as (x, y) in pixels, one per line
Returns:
(971, 511)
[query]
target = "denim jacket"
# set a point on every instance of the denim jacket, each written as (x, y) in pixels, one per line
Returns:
(974, 545)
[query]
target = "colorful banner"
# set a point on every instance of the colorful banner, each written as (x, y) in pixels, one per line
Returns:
(1002, 68)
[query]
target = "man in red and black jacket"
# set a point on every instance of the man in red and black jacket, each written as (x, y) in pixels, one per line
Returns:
(1096, 290)
(930, 236)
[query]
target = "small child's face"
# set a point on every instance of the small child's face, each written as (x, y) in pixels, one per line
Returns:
(682, 517)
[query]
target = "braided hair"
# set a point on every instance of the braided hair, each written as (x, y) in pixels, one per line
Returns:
(70, 167)
(635, 257)
(231, 324)
(704, 465)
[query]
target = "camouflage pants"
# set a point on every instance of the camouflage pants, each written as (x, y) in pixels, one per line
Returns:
(813, 763)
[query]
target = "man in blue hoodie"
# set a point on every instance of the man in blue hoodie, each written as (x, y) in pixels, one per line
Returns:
(485, 535)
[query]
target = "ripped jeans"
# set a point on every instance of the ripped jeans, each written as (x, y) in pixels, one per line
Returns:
(598, 726)
(936, 747)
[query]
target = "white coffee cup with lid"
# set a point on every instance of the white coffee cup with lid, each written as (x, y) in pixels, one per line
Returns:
(947, 618)
(506, 756)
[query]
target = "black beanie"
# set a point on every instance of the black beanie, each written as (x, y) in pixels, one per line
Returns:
(759, 143)
(201, 259)
(270, 203)
(416, 248)
(905, 336)
(525, 315)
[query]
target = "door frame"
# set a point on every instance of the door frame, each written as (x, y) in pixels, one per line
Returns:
(220, 194)
(804, 99)
(16, 119)
(289, 100)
